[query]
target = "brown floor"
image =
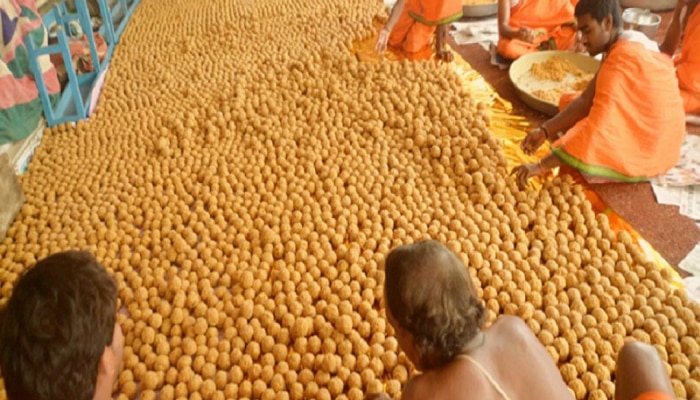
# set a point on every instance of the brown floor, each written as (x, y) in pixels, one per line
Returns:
(671, 234)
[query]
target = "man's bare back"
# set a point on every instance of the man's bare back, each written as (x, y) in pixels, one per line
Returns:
(513, 357)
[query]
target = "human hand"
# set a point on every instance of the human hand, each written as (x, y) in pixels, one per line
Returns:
(524, 172)
(578, 47)
(382, 41)
(534, 139)
(377, 396)
(526, 34)
(445, 55)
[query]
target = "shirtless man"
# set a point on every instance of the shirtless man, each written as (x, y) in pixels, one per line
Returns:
(432, 304)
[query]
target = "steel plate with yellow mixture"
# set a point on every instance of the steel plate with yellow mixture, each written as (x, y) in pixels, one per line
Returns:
(540, 78)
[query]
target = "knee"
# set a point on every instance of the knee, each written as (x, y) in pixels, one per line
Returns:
(512, 49)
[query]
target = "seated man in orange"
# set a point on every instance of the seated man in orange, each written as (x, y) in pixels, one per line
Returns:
(526, 26)
(686, 19)
(628, 125)
(412, 24)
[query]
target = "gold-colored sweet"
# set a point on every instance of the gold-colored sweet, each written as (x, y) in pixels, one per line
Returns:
(243, 177)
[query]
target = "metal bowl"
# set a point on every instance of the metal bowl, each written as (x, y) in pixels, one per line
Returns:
(641, 20)
(480, 10)
(651, 5)
(525, 85)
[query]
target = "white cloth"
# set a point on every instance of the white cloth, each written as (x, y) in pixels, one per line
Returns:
(639, 37)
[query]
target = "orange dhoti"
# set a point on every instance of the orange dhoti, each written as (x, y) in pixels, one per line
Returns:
(653, 395)
(636, 125)
(414, 29)
(552, 20)
(688, 64)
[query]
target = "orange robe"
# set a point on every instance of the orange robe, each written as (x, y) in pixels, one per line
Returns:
(416, 25)
(653, 395)
(553, 21)
(636, 124)
(688, 64)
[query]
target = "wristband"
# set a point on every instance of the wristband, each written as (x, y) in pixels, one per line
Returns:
(546, 132)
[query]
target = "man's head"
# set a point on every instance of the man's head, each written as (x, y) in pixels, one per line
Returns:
(431, 302)
(58, 333)
(600, 22)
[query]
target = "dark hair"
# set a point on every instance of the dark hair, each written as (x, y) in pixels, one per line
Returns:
(430, 293)
(55, 327)
(599, 9)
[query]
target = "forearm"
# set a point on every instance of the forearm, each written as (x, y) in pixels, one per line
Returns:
(395, 14)
(574, 112)
(504, 29)
(508, 32)
(440, 33)
(673, 36)
(550, 162)
(567, 118)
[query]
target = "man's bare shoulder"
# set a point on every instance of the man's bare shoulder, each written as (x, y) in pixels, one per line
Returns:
(510, 323)
(513, 329)
(416, 388)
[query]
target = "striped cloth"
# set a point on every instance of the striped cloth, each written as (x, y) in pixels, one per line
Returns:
(20, 105)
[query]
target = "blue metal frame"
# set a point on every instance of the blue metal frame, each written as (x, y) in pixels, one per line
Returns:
(112, 23)
(75, 99)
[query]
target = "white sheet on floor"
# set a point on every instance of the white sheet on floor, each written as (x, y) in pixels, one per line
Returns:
(691, 262)
(667, 195)
(687, 170)
(681, 185)
(483, 32)
(692, 287)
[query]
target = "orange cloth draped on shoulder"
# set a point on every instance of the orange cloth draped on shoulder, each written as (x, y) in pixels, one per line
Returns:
(553, 20)
(416, 25)
(688, 64)
(653, 396)
(636, 125)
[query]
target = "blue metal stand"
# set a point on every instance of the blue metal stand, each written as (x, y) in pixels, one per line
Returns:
(75, 99)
